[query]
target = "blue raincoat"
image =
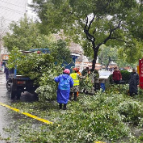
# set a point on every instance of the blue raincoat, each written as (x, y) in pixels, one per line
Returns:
(65, 83)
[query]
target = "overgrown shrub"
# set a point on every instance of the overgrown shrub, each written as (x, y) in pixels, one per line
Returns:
(125, 76)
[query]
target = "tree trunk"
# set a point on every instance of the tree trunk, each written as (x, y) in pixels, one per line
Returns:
(109, 60)
(95, 49)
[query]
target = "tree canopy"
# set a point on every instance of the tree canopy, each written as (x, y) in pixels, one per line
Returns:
(107, 54)
(117, 55)
(25, 35)
(93, 23)
(60, 52)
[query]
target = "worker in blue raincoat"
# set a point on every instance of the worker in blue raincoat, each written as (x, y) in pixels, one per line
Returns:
(65, 83)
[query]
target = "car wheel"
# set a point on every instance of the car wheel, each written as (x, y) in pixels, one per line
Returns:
(8, 86)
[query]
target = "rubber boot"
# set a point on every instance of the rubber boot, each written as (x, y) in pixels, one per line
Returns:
(60, 106)
(65, 107)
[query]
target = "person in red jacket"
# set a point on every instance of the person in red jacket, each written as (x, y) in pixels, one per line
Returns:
(117, 76)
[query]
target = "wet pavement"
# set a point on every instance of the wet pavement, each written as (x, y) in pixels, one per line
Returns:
(6, 116)
(4, 113)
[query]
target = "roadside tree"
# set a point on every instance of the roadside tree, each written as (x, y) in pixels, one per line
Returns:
(91, 23)
(25, 35)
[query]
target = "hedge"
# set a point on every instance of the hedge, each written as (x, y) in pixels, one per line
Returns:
(125, 76)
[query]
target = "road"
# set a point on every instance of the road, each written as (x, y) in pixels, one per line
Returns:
(7, 117)
(4, 98)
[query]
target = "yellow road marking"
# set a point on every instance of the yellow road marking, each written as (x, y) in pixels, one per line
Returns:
(33, 116)
(99, 142)
(26, 114)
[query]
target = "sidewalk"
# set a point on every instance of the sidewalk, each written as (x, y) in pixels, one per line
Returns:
(2, 78)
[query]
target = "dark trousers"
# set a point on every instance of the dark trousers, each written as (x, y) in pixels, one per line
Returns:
(75, 95)
(64, 107)
(117, 81)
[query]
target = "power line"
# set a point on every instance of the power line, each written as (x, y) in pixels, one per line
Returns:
(12, 4)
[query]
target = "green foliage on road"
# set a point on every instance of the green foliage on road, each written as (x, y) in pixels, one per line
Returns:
(108, 117)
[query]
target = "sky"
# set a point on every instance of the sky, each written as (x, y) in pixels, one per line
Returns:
(30, 12)
(13, 10)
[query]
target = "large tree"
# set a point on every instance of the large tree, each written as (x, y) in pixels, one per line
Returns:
(25, 35)
(92, 23)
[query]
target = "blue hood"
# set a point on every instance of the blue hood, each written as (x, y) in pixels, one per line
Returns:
(65, 81)
(65, 76)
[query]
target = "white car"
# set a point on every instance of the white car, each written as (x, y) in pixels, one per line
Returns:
(104, 74)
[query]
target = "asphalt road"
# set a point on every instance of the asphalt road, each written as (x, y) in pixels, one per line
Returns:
(7, 117)
(4, 113)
